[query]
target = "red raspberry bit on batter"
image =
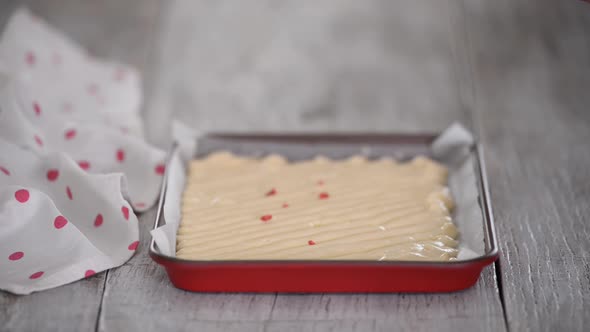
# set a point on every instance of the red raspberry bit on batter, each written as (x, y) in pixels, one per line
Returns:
(266, 217)
(311, 242)
(285, 205)
(272, 192)
(324, 195)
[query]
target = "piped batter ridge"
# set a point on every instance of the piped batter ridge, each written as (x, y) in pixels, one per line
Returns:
(238, 208)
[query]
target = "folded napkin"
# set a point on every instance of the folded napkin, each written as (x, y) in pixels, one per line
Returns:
(73, 161)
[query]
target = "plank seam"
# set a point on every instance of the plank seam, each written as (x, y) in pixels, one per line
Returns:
(272, 308)
(478, 131)
(498, 272)
(104, 290)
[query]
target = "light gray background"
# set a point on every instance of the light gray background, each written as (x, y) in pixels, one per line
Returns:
(515, 72)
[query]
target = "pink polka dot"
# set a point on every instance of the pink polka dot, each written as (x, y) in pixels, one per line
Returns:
(37, 108)
(125, 211)
(98, 220)
(69, 134)
(120, 74)
(160, 169)
(69, 193)
(4, 170)
(120, 155)
(36, 275)
(60, 222)
(101, 100)
(22, 195)
(38, 140)
(124, 130)
(85, 165)
(89, 273)
(133, 245)
(67, 107)
(52, 175)
(92, 89)
(139, 205)
(56, 59)
(15, 256)
(30, 58)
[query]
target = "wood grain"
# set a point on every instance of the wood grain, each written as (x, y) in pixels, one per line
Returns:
(72, 307)
(345, 75)
(139, 296)
(354, 94)
(378, 65)
(532, 72)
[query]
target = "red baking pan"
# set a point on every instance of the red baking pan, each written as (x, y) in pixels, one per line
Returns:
(302, 276)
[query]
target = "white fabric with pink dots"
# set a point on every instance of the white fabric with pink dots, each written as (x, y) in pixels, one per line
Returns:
(58, 223)
(73, 161)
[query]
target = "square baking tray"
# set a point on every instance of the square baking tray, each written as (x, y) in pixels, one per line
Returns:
(302, 276)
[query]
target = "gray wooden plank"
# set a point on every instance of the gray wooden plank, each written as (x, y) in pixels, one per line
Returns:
(72, 307)
(331, 65)
(139, 296)
(532, 68)
(477, 308)
(114, 29)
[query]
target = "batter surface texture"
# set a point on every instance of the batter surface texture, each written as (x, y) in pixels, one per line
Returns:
(236, 208)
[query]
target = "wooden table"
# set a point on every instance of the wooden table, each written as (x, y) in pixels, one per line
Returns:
(516, 72)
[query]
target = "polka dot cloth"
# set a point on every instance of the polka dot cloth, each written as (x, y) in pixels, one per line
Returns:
(59, 223)
(73, 162)
(92, 115)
